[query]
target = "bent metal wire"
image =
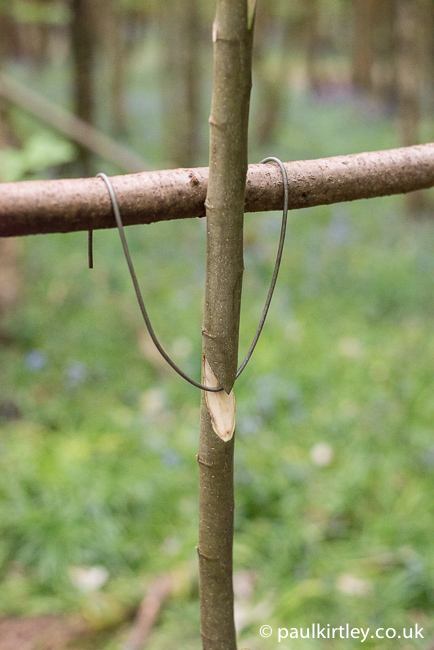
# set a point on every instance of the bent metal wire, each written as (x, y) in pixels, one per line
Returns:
(150, 329)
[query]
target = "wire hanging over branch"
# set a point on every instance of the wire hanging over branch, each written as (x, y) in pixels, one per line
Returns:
(208, 387)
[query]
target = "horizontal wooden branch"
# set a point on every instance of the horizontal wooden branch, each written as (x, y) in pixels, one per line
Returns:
(33, 207)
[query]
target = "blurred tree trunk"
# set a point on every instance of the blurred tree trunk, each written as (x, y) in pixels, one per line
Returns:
(113, 49)
(192, 78)
(83, 47)
(311, 37)
(9, 42)
(408, 31)
(10, 255)
(431, 45)
(44, 29)
(273, 34)
(10, 248)
(363, 56)
(181, 81)
(118, 76)
(34, 33)
(428, 56)
(384, 71)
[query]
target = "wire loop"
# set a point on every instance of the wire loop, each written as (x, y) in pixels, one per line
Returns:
(116, 212)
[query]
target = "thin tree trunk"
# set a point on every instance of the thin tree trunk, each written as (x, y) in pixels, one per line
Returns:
(408, 58)
(113, 53)
(431, 48)
(42, 35)
(362, 44)
(9, 40)
(384, 71)
(118, 78)
(427, 63)
(312, 37)
(10, 249)
(83, 52)
(10, 277)
(181, 81)
(232, 37)
(271, 72)
(192, 80)
(407, 35)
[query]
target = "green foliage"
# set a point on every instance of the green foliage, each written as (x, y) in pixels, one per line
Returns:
(40, 150)
(24, 11)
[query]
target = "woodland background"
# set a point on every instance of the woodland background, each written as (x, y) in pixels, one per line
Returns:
(335, 449)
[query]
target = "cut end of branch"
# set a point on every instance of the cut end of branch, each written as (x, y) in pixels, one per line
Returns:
(221, 405)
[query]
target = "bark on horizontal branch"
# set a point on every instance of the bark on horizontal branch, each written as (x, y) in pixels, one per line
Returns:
(33, 207)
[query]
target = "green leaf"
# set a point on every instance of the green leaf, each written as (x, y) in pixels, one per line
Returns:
(41, 150)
